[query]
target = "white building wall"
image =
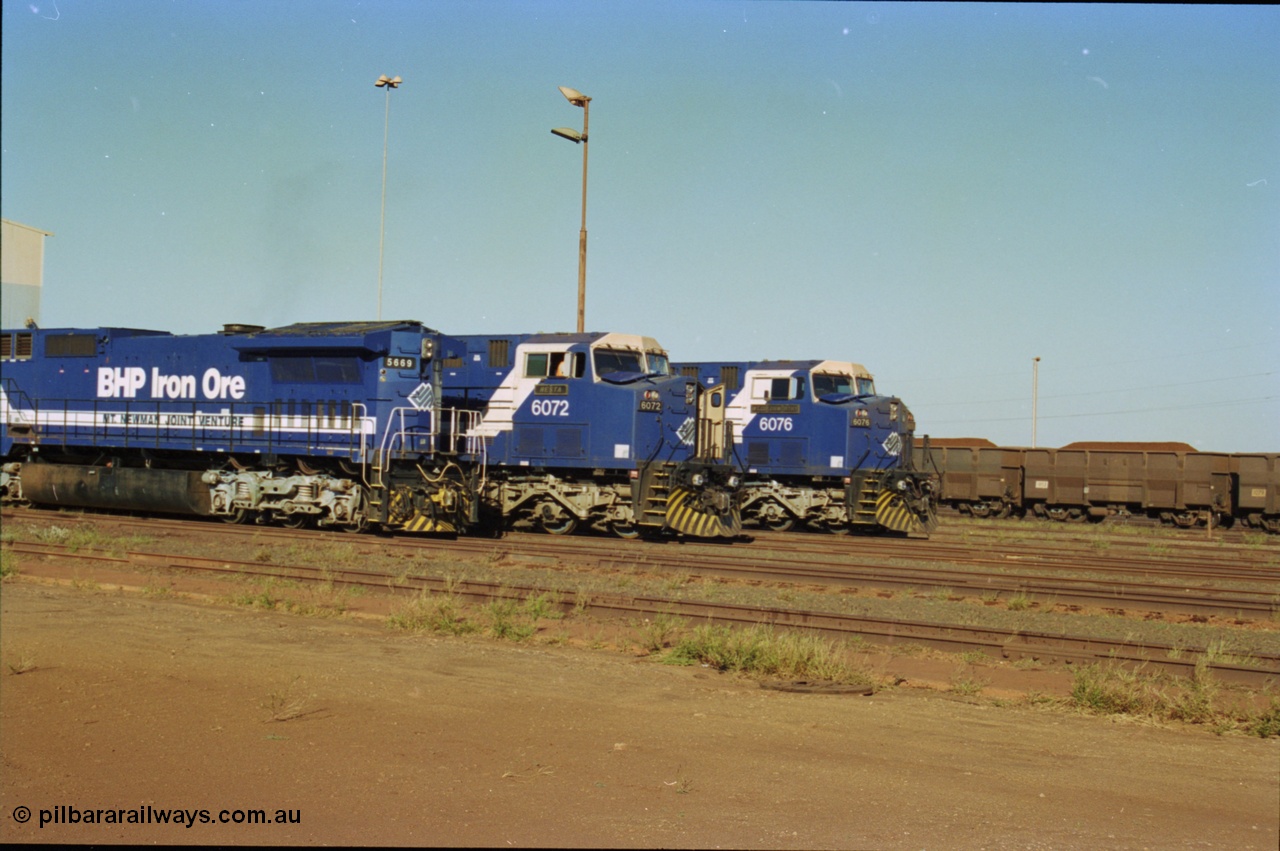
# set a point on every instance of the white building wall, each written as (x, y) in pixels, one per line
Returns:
(21, 272)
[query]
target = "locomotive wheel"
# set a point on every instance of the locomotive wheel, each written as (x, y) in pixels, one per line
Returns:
(360, 524)
(566, 525)
(555, 520)
(627, 531)
(779, 524)
(354, 528)
(296, 521)
(236, 517)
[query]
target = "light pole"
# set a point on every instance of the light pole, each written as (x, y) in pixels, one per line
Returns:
(1035, 395)
(389, 83)
(577, 98)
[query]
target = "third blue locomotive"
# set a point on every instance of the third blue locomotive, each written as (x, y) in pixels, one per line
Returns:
(821, 448)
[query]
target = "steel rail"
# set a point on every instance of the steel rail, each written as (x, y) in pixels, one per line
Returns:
(755, 566)
(1262, 669)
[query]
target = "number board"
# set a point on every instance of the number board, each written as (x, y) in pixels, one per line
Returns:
(400, 363)
(653, 406)
(775, 409)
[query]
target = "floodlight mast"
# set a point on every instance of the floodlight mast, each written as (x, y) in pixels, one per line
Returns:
(1035, 396)
(390, 83)
(577, 98)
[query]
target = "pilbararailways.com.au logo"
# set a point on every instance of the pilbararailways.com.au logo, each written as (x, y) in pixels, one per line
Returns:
(147, 814)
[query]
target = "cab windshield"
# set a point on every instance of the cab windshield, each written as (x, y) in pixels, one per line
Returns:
(830, 384)
(658, 363)
(609, 361)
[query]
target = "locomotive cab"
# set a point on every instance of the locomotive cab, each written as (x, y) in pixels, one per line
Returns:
(591, 429)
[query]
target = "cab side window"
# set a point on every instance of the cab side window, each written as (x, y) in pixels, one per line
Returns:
(535, 365)
(554, 365)
(778, 389)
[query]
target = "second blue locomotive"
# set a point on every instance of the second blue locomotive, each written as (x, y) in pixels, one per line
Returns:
(592, 430)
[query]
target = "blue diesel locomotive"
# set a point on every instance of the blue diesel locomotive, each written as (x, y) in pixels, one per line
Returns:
(820, 447)
(341, 425)
(337, 424)
(593, 430)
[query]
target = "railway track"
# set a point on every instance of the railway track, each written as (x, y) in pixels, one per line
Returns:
(1046, 575)
(953, 522)
(1255, 670)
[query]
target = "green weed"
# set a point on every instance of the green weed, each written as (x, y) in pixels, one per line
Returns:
(86, 538)
(656, 632)
(544, 605)
(968, 686)
(1018, 602)
(1108, 689)
(506, 621)
(433, 612)
(760, 650)
(1264, 724)
(8, 565)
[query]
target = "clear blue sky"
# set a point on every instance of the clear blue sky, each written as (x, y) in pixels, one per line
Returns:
(940, 192)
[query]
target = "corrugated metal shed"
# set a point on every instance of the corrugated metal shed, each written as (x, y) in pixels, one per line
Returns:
(21, 272)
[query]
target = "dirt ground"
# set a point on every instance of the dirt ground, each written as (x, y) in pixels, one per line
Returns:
(131, 705)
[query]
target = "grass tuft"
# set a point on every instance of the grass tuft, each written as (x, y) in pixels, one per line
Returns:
(968, 686)
(285, 704)
(762, 651)
(8, 565)
(508, 621)
(432, 612)
(656, 632)
(1109, 689)
(87, 537)
(23, 664)
(1018, 602)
